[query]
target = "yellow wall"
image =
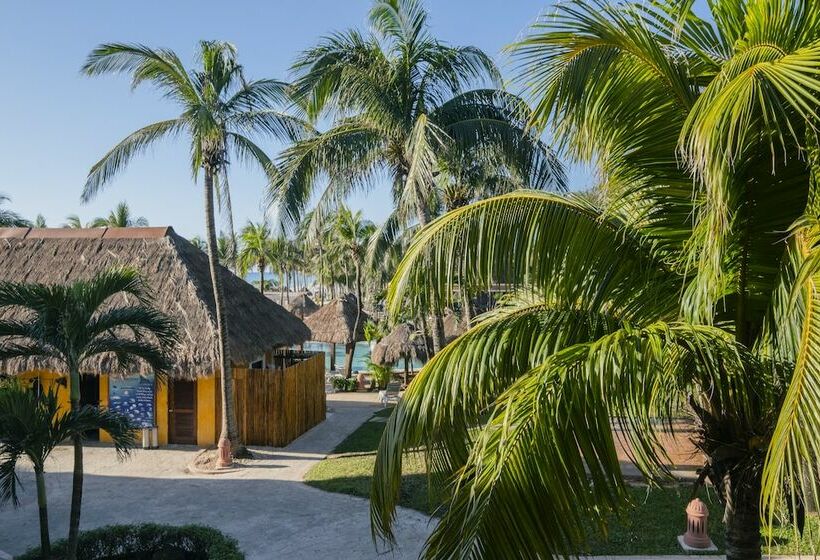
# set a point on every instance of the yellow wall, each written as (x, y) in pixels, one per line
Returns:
(206, 405)
(206, 411)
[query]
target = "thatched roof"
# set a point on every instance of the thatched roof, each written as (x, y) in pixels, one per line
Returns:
(334, 321)
(453, 327)
(404, 341)
(301, 305)
(178, 276)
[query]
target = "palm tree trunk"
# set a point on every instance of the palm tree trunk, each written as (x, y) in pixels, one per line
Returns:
(281, 286)
(742, 518)
(77, 476)
(350, 348)
(228, 429)
(438, 323)
(262, 276)
(42, 504)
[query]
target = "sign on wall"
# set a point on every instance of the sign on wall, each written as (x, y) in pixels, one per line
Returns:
(133, 397)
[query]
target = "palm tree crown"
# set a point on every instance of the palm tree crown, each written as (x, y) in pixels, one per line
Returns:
(403, 103)
(120, 217)
(665, 301)
(9, 218)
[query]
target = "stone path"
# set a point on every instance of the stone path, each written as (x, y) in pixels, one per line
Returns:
(265, 505)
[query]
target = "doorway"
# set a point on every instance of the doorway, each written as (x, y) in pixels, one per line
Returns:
(90, 396)
(182, 412)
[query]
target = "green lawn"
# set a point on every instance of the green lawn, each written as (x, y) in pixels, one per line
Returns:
(650, 528)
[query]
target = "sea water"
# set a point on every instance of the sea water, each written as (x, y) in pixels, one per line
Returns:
(361, 355)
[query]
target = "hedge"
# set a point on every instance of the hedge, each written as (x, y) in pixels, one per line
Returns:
(149, 542)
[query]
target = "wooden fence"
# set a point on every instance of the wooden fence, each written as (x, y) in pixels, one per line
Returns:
(275, 406)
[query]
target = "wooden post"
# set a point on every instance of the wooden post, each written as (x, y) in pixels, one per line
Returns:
(332, 356)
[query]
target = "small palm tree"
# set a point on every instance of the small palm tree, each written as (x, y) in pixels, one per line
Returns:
(218, 109)
(199, 243)
(254, 250)
(72, 221)
(226, 251)
(120, 217)
(353, 234)
(32, 425)
(75, 323)
(9, 218)
(40, 221)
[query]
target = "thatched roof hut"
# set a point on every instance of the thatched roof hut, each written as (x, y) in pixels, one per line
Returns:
(178, 276)
(301, 305)
(334, 322)
(404, 341)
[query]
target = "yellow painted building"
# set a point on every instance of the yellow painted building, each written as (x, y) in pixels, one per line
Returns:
(187, 405)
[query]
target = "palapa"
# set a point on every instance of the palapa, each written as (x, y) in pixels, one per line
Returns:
(178, 277)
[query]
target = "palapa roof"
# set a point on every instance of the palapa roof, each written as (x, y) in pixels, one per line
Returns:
(404, 341)
(334, 321)
(178, 277)
(301, 305)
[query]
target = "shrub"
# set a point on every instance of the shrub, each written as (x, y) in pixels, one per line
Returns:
(339, 382)
(149, 542)
(381, 374)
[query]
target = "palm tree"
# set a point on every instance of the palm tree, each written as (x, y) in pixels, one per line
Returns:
(9, 218)
(218, 109)
(226, 251)
(39, 221)
(119, 217)
(403, 104)
(72, 221)
(353, 234)
(199, 243)
(664, 302)
(32, 425)
(75, 323)
(255, 250)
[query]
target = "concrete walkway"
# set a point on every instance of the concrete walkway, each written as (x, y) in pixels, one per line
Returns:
(264, 505)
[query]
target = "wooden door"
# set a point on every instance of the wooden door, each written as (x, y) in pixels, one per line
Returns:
(182, 412)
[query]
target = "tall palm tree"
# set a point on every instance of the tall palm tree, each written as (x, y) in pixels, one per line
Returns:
(353, 234)
(666, 301)
(402, 103)
(75, 323)
(254, 250)
(218, 109)
(32, 425)
(9, 218)
(120, 217)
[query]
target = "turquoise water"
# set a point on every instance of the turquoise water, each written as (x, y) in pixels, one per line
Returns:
(360, 356)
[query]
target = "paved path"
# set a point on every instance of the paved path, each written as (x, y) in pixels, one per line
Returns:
(265, 505)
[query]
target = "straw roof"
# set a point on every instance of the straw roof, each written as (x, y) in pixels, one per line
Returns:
(453, 328)
(404, 341)
(301, 305)
(334, 321)
(178, 276)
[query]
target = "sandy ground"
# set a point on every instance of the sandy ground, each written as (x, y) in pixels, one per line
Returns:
(264, 505)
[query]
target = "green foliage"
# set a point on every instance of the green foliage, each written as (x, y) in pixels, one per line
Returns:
(150, 541)
(381, 374)
(688, 286)
(8, 218)
(375, 330)
(119, 217)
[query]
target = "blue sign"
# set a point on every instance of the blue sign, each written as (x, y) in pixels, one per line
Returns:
(133, 397)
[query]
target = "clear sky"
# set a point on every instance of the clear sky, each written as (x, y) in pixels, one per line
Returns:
(55, 123)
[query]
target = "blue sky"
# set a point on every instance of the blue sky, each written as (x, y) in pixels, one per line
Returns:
(57, 123)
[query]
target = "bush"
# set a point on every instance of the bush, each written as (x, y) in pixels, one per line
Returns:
(341, 383)
(149, 542)
(381, 374)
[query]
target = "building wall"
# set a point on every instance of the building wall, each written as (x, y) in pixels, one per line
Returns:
(206, 395)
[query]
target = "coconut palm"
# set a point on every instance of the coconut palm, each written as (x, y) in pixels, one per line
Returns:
(9, 218)
(32, 425)
(402, 103)
(72, 221)
(120, 217)
(254, 250)
(199, 243)
(219, 108)
(665, 302)
(76, 323)
(39, 221)
(226, 250)
(352, 233)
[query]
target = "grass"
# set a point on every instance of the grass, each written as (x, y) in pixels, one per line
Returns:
(651, 527)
